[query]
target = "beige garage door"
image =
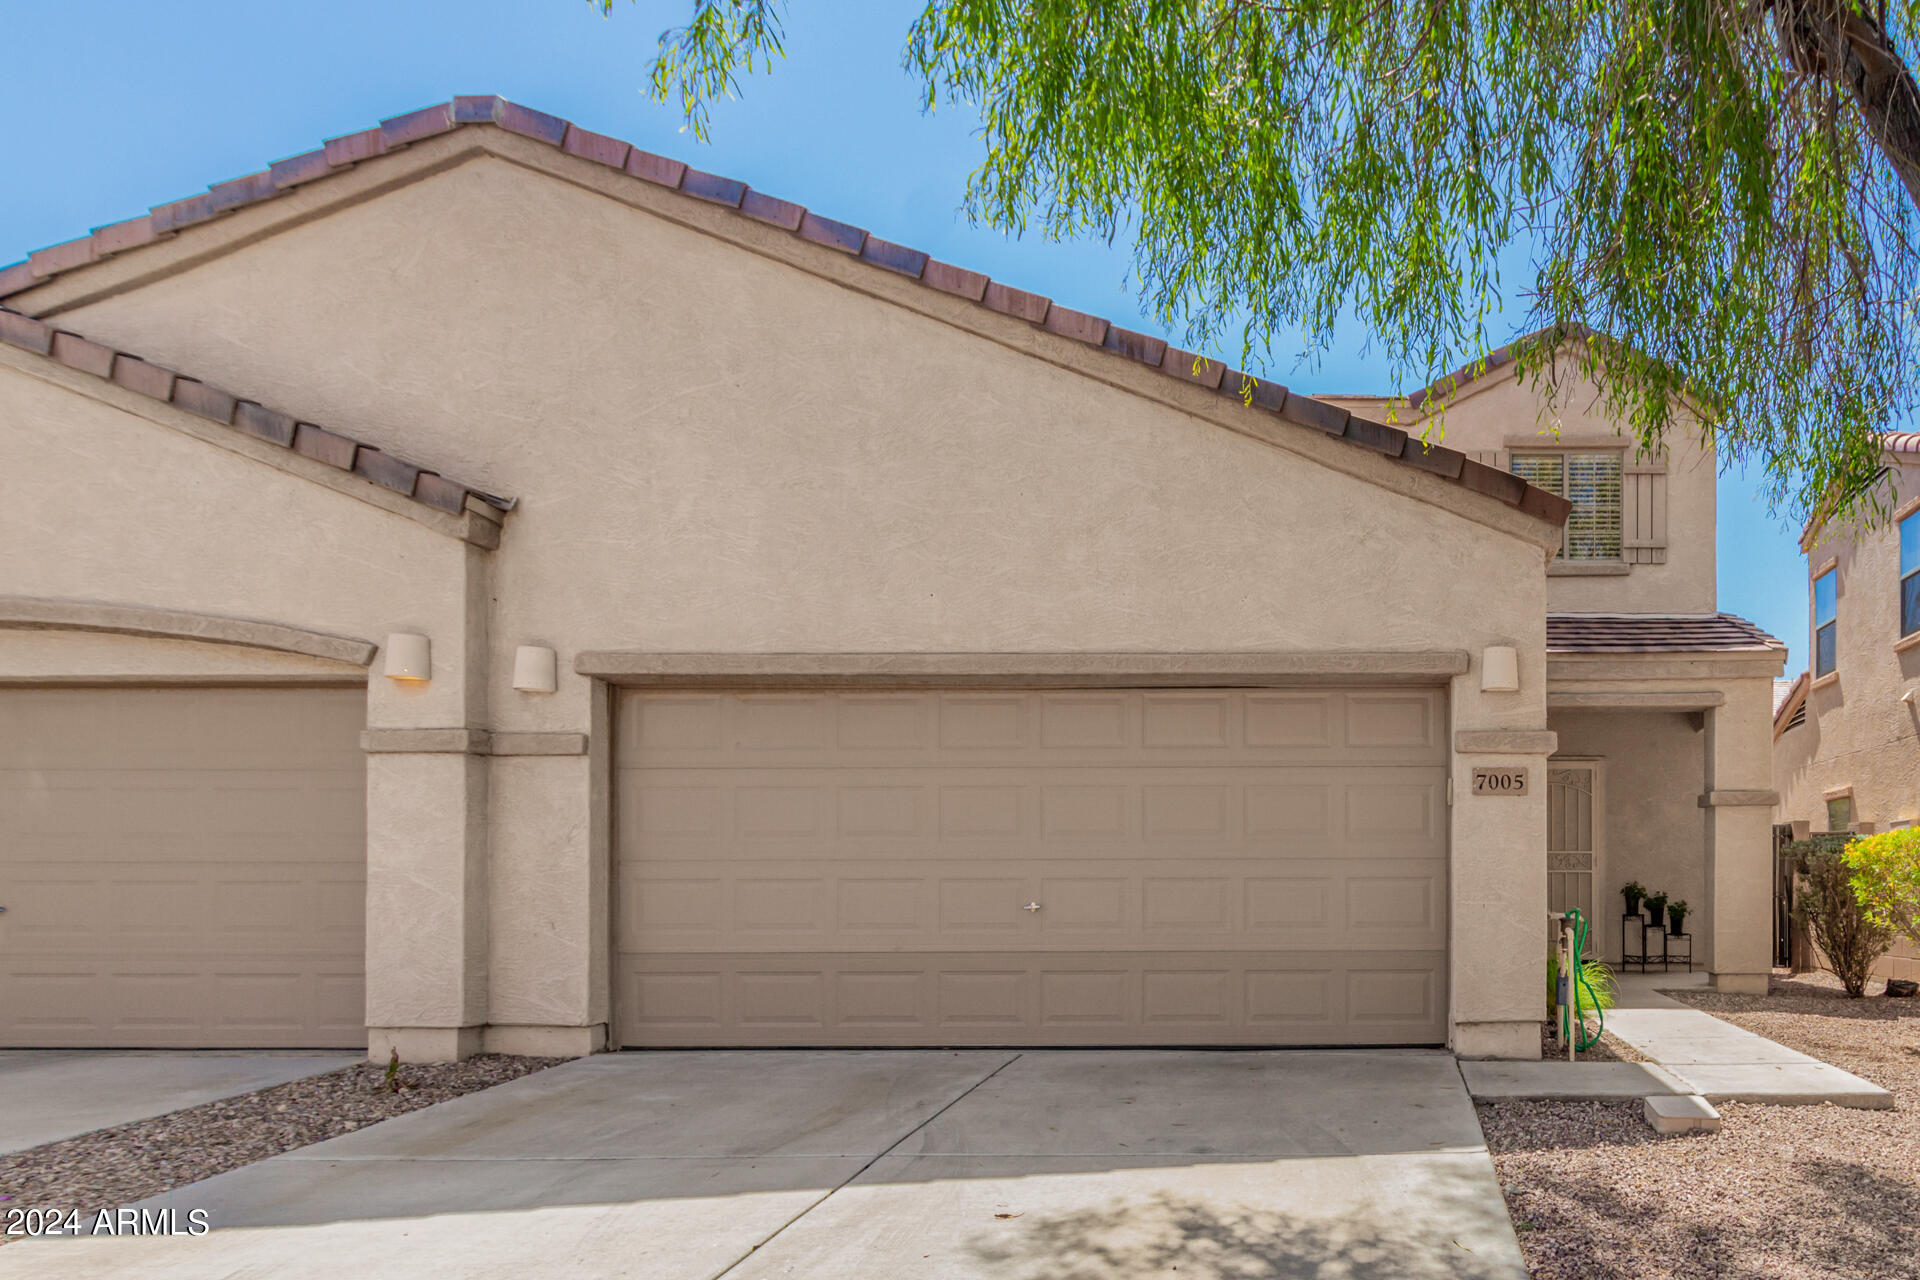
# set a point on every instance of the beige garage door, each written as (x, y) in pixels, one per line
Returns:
(1100, 867)
(182, 867)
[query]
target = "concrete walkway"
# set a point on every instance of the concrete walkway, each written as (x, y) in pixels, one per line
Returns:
(1690, 1052)
(937, 1165)
(47, 1095)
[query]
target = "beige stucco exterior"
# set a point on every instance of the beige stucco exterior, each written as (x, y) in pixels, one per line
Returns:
(1858, 733)
(1858, 738)
(1680, 740)
(1673, 496)
(726, 441)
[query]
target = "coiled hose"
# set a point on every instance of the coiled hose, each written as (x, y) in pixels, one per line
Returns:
(1570, 1009)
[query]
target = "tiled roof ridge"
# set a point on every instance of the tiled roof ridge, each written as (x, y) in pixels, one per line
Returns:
(339, 154)
(1444, 387)
(1900, 441)
(1655, 633)
(208, 401)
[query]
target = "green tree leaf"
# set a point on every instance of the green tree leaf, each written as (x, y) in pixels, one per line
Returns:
(1713, 200)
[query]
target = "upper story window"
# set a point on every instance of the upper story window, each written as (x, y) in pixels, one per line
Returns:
(1840, 813)
(1825, 608)
(1590, 479)
(1910, 574)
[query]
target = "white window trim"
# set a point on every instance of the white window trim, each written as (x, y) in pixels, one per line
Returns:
(1821, 680)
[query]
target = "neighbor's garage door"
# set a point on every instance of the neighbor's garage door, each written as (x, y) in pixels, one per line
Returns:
(182, 867)
(1102, 867)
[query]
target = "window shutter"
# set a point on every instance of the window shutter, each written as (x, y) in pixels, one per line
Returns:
(1542, 470)
(1643, 511)
(1593, 483)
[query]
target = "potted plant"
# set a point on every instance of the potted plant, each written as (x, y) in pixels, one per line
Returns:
(1677, 916)
(1656, 909)
(1633, 891)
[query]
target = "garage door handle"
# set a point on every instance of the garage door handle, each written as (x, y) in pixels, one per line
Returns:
(1031, 906)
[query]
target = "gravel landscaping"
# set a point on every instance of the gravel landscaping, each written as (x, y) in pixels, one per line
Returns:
(1817, 1192)
(117, 1166)
(1610, 1049)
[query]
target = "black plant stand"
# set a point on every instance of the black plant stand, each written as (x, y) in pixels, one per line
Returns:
(1666, 951)
(1644, 956)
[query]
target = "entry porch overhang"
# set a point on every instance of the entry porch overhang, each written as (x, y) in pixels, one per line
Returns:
(1665, 754)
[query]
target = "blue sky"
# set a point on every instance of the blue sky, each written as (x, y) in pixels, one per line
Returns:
(127, 105)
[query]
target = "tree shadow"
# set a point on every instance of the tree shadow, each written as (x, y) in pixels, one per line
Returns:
(1171, 1236)
(1815, 1218)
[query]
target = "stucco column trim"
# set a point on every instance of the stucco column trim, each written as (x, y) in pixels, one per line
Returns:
(1677, 667)
(1021, 670)
(1738, 799)
(1506, 742)
(519, 743)
(33, 614)
(473, 742)
(1607, 700)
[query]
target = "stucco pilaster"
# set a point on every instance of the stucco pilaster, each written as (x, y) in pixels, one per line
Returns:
(426, 890)
(1499, 884)
(1738, 802)
(543, 893)
(427, 835)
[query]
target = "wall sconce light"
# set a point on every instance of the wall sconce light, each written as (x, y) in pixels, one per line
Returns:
(1499, 669)
(533, 669)
(407, 657)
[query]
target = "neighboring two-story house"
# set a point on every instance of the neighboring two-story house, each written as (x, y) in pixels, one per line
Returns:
(1847, 733)
(1653, 694)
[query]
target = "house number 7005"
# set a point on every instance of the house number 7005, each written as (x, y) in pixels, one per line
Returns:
(1499, 782)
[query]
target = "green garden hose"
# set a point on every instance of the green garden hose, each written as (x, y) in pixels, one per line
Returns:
(1570, 1009)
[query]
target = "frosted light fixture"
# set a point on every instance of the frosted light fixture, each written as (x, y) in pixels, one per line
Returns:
(533, 669)
(407, 657)
(1499, 669)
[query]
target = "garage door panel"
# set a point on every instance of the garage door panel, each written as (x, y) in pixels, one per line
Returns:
(182, 867)
(204, 907)
(1007, 727)
(1195, 903)
(961, 998)
(1091, 811)
(241, 1000)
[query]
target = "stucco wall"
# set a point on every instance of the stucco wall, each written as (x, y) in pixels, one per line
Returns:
(1857, 732)
(1655, 830)
(1485, 417)
(108, 506)
(716, 450)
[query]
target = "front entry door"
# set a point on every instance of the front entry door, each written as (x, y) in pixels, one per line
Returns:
(1573, 851)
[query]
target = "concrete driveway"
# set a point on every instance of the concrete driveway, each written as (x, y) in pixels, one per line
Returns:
(50, 1094)
(1037, 1165)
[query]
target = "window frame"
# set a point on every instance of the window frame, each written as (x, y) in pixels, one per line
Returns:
(1830, 573)
(1564, 453)
(1846, 800)
(1907, 536)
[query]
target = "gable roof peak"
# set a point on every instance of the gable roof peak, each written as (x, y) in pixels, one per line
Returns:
(490, 111)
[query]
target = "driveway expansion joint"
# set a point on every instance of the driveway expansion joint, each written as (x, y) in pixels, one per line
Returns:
(850, 1178)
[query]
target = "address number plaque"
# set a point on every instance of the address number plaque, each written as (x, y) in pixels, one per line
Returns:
(1499, 782)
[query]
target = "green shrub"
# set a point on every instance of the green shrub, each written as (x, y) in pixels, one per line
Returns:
(1851, 939)
(1885, 872)
(1604, 991)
